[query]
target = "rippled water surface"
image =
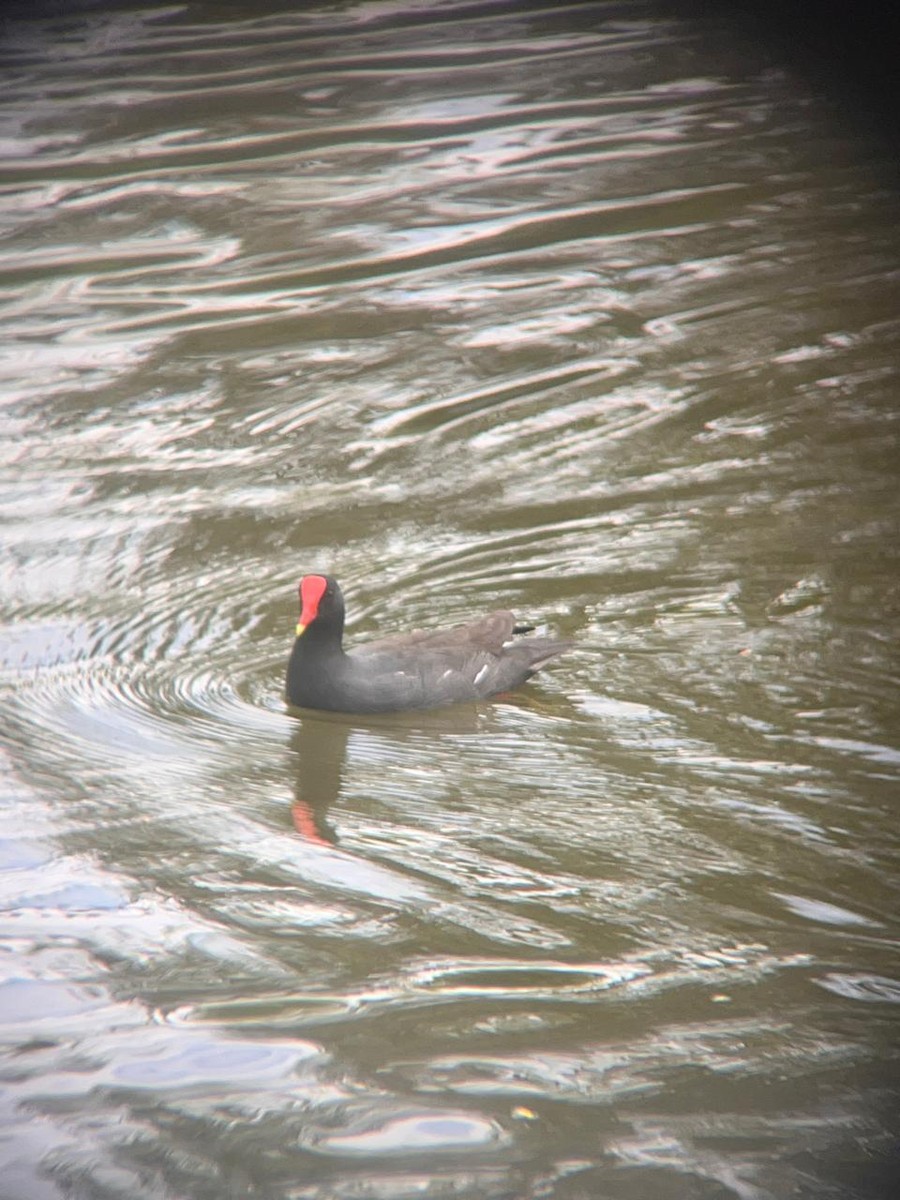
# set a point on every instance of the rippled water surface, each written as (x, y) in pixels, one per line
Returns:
(587, 310)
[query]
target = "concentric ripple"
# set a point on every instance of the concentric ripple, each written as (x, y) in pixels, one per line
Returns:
(585, 310)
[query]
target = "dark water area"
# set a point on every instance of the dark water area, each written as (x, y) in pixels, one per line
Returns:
(585, 310)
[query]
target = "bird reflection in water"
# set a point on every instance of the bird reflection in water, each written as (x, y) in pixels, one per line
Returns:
(327, 746)
(319, 748)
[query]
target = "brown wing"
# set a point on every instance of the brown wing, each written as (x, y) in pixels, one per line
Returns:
(487, 633)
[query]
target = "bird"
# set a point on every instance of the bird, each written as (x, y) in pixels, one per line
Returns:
(423, 669)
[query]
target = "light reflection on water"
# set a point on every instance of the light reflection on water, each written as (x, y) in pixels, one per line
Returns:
(577, 310)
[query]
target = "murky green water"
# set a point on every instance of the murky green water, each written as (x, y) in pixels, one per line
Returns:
(583, 310)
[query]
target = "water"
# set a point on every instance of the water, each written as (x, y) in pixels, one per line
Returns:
(586, 310)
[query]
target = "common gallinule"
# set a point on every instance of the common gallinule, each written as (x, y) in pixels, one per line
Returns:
(425, 669)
